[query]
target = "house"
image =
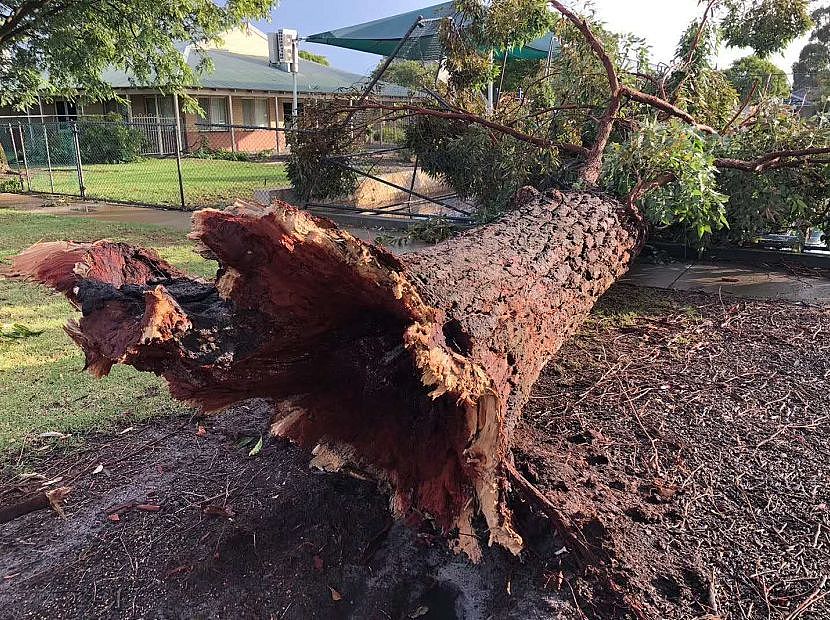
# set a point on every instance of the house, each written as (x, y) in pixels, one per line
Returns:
(244, 98)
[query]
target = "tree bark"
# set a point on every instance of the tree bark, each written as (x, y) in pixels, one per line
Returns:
(414, 367)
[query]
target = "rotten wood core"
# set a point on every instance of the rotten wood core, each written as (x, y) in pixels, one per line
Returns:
(416, 368)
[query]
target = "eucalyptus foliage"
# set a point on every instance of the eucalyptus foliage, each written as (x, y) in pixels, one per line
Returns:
(409, 73)
(791, 197)
(315, 58)
(316, 145)
(657, 148)
(458, 153)
(682, 175)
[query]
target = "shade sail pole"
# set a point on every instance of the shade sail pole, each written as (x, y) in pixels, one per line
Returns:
(379, 74)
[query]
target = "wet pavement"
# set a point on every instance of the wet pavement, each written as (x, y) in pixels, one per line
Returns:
(732, 279)
(105, 212)
(719, 278)
(121, 213)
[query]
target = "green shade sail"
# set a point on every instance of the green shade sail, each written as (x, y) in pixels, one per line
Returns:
(382, 36)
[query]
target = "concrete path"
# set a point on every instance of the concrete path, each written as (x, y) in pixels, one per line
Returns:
(726, 278)
(732, 279)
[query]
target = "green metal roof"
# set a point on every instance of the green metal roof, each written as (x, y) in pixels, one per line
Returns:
(382, 36)
(241, 72)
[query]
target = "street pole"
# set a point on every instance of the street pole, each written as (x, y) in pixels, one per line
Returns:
(295, 68)
(179, 147)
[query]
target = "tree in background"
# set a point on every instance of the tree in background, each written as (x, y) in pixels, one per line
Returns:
(811, 73)
(62, 48)
(757, 78)
(412, 74)
(317, 58)
(766, 26)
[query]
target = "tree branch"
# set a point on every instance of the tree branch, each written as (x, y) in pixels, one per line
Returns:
(772, 160)
(690, 55)
(644, 187)
(665, 106)
(12, 24)
(743, 107)
(593, 163)
(574, 149)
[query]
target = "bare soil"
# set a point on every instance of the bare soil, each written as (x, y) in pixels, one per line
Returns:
(689, 431)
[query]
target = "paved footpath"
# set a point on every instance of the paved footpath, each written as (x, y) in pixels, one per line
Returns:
(725, 278)
(762, 282)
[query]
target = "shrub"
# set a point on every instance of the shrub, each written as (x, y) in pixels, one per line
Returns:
(205, 151)
(389, 135)
(11, 184)
(314, 168)
(109, 141)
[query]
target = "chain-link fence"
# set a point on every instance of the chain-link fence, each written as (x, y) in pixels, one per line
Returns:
(146, 160)
(154, 160)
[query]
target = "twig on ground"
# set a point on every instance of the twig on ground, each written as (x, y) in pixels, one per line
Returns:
(47, 499)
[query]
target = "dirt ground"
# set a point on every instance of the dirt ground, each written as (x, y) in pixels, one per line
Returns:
(689, 431)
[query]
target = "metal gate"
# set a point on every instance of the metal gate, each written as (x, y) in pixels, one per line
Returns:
(159, 134)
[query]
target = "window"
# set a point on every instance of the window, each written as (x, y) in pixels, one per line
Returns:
(150, 107)
(65, 111)
(159, 106)
(287, 109)
(255, 112)
(215, 113)
(113, 107)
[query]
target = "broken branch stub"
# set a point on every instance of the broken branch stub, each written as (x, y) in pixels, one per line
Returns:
(414, 367)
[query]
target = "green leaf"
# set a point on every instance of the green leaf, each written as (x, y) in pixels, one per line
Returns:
(257, 448)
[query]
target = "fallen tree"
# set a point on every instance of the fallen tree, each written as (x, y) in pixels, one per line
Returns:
(414, 367)
(417, 367)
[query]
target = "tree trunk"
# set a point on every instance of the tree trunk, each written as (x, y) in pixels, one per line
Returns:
(414, 367)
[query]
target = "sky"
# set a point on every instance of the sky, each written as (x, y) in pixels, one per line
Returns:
(659, 22)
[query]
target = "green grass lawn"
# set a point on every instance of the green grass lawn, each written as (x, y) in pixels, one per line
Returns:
(42, 386)
(207, 182)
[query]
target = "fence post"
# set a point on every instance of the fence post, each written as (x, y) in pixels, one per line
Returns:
(179, 147)
(412, 186)
(16, 158)
(74, 126)
(48, 158)
(25, 159)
